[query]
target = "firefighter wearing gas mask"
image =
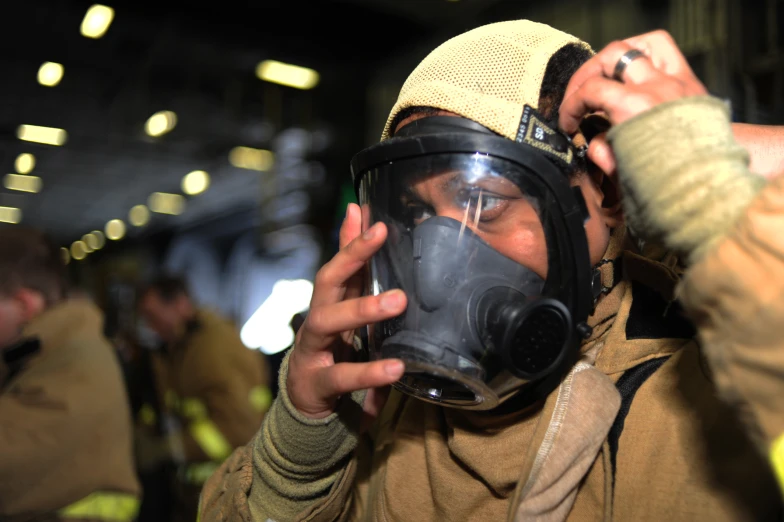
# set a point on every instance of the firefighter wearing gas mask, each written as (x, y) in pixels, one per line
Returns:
(540, 366)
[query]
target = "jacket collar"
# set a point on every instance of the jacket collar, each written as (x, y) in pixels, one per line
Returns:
(191, 326)
(64, 321)
(49, 331)
(640, 319)
(614, 285)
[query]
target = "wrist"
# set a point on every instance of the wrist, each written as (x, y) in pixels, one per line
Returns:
(684, 177)
(765, 145)
(291, 386)
(289, 435)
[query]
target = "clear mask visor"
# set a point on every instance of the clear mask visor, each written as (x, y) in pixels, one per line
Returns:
(470, 243)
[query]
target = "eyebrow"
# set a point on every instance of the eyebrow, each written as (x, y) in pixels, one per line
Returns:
(450, 182)
(445, 185)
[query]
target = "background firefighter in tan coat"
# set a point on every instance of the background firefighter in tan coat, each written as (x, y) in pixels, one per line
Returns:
(636, 430)
(216, 387)
(65, 427)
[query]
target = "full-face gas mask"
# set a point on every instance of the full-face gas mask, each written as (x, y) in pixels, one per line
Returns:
(487, 240)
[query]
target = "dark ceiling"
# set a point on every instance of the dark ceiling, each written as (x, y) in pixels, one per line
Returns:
(198, 60)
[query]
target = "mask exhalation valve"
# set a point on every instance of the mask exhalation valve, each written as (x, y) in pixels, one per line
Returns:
(530, 335)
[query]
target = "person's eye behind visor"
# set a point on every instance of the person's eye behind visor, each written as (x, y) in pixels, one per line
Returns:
(476, 190)
(472, 201)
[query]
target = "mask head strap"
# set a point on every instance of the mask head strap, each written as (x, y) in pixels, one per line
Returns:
(605, 276)
(535, 132)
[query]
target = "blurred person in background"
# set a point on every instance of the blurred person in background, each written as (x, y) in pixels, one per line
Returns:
(542, 364)
(65, 427)
(216, 387)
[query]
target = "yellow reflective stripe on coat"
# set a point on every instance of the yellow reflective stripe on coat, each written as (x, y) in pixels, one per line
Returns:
(193, 409)
(203, 430)
(147, 415)
(210, 439)
(260, 398)
(120, 507)
(777, 458)
(199, 472)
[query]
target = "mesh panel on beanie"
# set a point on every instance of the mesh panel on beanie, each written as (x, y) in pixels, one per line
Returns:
(487, 74)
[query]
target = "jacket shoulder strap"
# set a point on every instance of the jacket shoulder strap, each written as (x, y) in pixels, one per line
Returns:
(650, 317)
(16, 357)
(627, 386)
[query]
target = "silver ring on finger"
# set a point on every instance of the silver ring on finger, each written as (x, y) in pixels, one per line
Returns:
(624, 61)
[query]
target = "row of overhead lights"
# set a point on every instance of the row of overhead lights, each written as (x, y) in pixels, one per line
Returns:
(95, 240)
(95, 23)
(193, 183)
(24, 164)
(22, 182)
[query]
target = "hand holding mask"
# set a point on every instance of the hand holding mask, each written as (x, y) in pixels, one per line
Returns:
(655, 72)
(320, 367)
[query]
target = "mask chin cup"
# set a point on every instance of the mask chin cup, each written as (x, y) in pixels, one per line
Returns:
(530, 338)
(437, 374)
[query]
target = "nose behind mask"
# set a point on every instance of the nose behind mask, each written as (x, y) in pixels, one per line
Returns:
(474, 316)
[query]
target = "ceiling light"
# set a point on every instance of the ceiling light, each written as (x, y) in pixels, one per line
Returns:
(87, 247)
(93, 241)
(45, 135)
(268, 329)
(24, 163)
(10, 215)
(139, 216)
(78, 250)
(115, 229)
(160, 123)
(50, 74)
(100, 239)
(66, 255)
(287, 74)
(253, 159)
(195, 182)
(97, 21)
(164, 203)
(22, 183)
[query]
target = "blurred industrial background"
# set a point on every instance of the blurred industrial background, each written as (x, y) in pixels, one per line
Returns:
(213, 139)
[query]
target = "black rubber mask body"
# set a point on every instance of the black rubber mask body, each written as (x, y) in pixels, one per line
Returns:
(474, 316)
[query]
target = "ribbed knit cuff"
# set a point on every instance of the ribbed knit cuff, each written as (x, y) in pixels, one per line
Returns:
(299, 458)
(685, 180)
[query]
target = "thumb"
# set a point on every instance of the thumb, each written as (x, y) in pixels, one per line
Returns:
(601, 154)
